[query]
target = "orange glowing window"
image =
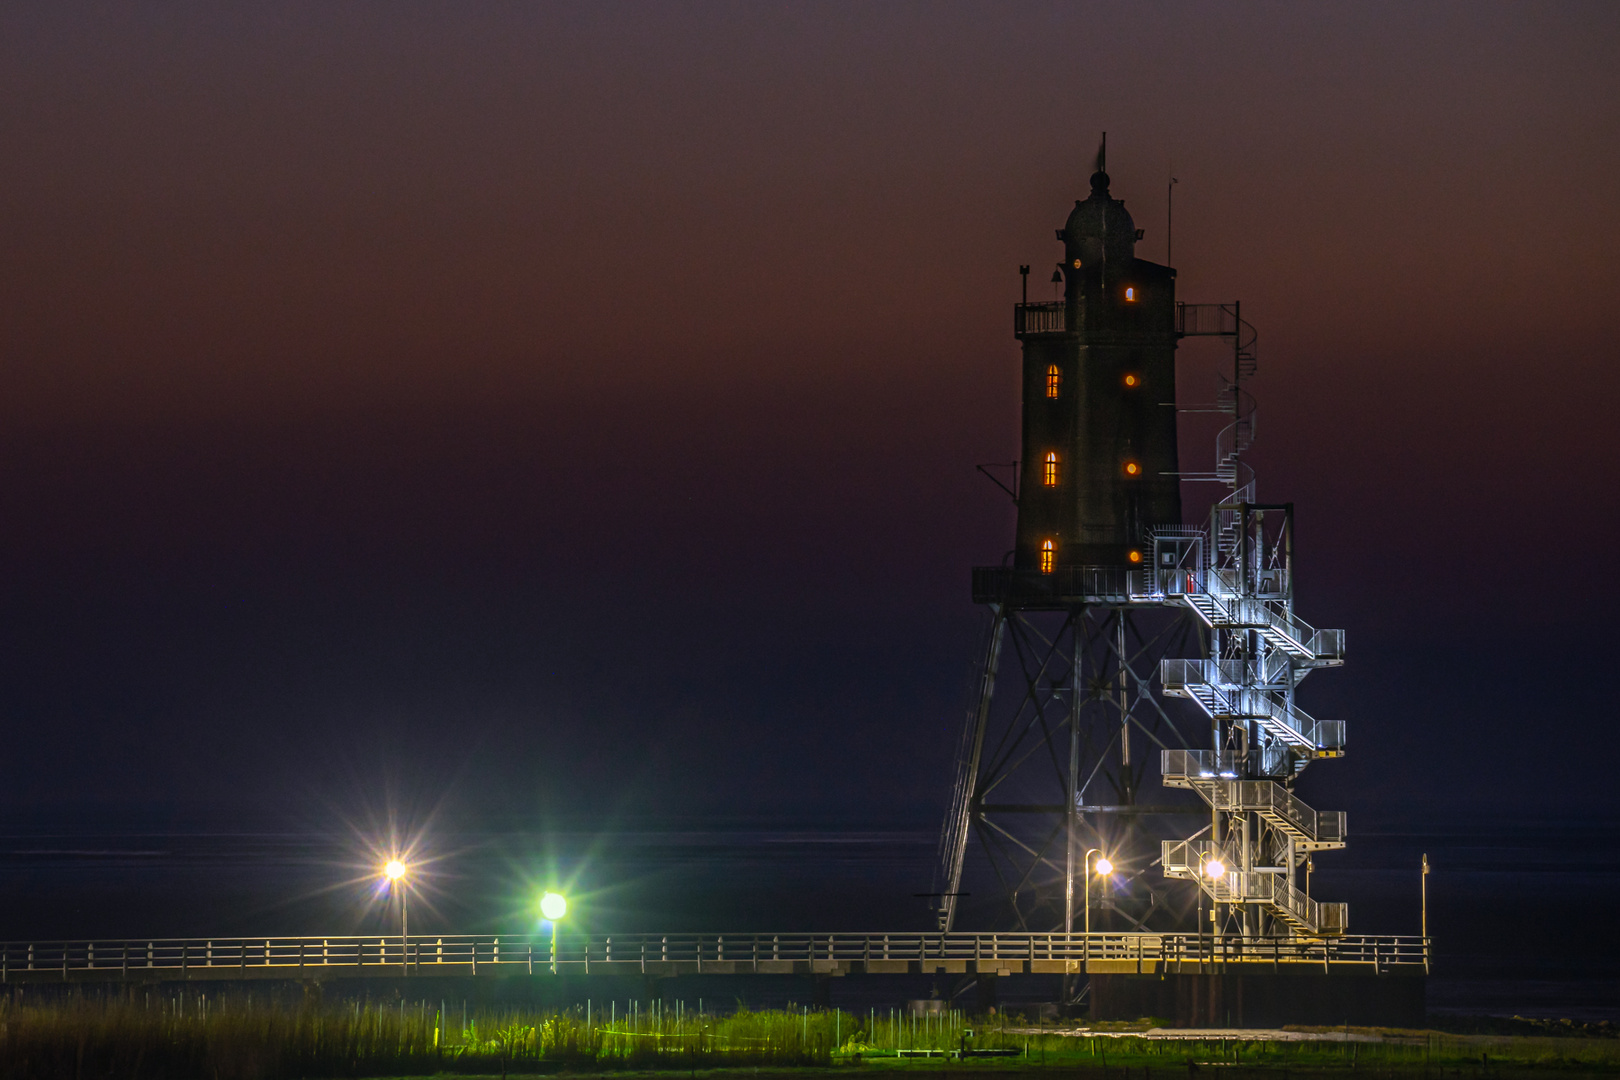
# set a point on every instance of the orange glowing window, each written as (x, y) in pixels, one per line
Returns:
(1130, 294)
(1132, 469)
(1048, 556)
(1049, 470)
(1132, 380)
(1054, 381)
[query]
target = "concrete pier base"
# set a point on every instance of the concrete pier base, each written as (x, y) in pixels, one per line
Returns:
(1256, 999)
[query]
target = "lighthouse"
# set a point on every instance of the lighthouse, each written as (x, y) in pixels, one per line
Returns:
(1099, 394)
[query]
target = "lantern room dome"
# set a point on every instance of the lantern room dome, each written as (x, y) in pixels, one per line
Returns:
(1099, 228)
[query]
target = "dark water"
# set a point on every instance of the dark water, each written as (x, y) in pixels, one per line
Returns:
(1522, 916)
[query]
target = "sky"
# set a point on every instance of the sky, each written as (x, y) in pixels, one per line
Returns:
(514, 414)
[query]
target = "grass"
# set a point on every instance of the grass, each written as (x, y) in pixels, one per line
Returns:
(231, 1038)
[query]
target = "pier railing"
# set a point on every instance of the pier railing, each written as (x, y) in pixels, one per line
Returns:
(738, 954)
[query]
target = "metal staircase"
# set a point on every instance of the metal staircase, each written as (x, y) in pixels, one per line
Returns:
(1226, 321)
(1285, 630)
(1222, 690)
(1190, 860)
(1311, 830)
(1236, 577)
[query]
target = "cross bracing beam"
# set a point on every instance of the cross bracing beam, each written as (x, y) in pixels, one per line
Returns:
(1090, 657)
(1077, 677)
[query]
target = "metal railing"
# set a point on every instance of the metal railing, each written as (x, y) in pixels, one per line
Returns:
(1040, 318)
(1274, 801)
(1206, 320)
(1108, 584)
(1187, 859)
(1190, 679)
(1188, 765)
(1201, 771)
(1226, 674)
(292, 957)
(1272, 618)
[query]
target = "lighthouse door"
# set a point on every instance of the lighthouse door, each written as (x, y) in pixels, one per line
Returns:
(1179, 561)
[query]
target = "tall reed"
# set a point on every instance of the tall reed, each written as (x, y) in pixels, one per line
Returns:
(229, 1037)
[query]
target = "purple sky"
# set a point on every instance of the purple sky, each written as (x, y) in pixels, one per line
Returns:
(584, 399)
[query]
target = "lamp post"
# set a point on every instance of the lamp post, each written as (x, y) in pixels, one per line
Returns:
(553, 907)
(1215, 870)
(1103, 868)
(1425, 912)
(395, 872)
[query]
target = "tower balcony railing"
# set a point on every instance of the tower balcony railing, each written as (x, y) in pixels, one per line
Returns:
(1065, 584)
(1212, 320)
(1048, 317)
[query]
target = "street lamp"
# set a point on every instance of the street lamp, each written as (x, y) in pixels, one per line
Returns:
(1214, 870)
(1103, 868)
(395, 872)
(553, 907)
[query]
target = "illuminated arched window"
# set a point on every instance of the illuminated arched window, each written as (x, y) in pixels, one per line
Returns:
(1049, 470)
(1048, 556)
(1054, 380)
